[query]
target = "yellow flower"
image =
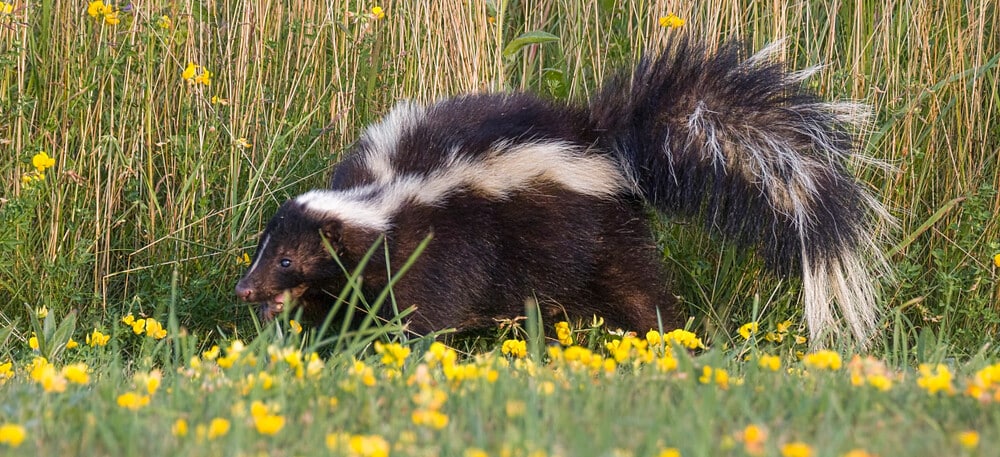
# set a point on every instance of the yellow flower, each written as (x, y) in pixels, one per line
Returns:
(753, 438)
(796, 449)
(243, 143)
(217, 428)
(858, 453)
(770, 362)
(6, 371)
(243, 260)
(717, 375)
(12, 434)
(369, 446)
(429, 418)
(95, 8)
(969, 439)
(264, 420)
(296, 327)
(97, 339)
(823, 360)
(76, 373)
(189, 71)
(669, 452)
(180, 428)
(205, 77)
(996, 260)
(45, 374)
(71, 344)
(132, 401)
(749, 329)
(150, 381)
(43, 311)
(564, 333)
(474, 452)
(393, 354)
(377, 12)
(155, 329)
(938, 380)
(671, 21)
(111, 18)
(165, 22)
(684, 338)
(6, 8)
(33, 342)
(515, 348)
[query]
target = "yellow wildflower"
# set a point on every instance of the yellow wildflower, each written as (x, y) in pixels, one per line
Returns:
(514, 348)
(95, 8)
(796, 449)
(717, 375)
(753, 438)
(938, 380)
(150, 381)
(96, 338)
(770, 362)
(111, 18)
(33, 342)
(196, 74)
(164, 22)
(378, 12)
(12, 434)
(43, 311)
(358, 445)
(823, 360)
(71, 344)
(393, 354)
(6, 371)
(218, 427)
(429, 418)
(749, 329)
(76, 373)
(180, 428)
(858, 453)
(132, 401)
(969, 439)
(564, 333)
(474, 452)
(265, 420)
(155, 329)
(996, 260)
(45, 374)
(6, 8)
(684, 338)
(671, 21)
(669, 452)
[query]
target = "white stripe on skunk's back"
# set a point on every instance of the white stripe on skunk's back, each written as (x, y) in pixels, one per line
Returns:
(507, 167)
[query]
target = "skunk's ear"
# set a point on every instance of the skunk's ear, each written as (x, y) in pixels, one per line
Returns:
(333, 232)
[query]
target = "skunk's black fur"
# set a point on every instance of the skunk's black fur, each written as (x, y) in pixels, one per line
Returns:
(531, 199)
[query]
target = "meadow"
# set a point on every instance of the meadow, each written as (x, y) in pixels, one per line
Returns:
(143, 147)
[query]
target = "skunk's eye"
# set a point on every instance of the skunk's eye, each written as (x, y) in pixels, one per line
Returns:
(285, 263)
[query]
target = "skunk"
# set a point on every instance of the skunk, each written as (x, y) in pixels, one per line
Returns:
(525, 198)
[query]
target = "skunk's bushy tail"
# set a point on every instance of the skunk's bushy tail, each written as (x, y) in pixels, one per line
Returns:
(739, 141)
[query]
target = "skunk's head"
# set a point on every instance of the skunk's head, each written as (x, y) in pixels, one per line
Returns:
(293, 261)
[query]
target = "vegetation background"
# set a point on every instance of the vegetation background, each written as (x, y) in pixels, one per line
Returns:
(161, 184)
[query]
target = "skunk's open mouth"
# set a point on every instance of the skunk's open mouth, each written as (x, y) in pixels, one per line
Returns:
(268, 310)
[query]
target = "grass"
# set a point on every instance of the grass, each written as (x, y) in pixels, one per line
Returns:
(160, 185)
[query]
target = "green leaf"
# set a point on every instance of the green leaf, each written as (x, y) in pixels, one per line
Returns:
(528, 38)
